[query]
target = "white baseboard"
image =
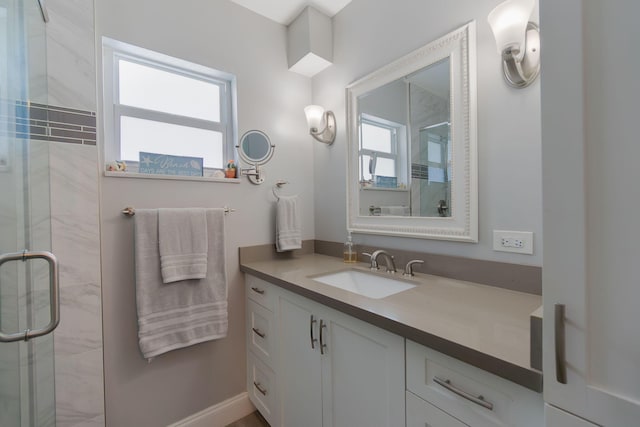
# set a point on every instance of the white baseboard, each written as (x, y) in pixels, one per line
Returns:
(220, 415)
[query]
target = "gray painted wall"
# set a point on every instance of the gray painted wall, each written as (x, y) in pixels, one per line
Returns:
(367, 37)
(227, 37)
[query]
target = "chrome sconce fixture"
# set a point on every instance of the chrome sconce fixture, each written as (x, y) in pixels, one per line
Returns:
(322, 124)
(518, 41)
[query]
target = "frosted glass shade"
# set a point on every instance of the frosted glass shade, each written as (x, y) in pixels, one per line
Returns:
(508, 22)
(315, 114)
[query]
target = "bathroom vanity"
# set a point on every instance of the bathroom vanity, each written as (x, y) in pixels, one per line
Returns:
(444, 352)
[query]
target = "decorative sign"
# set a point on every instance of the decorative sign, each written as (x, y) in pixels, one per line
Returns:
(164, 164)
(386, 181)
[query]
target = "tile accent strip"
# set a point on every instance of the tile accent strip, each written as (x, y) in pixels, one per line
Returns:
(419, 171)
(29, 120)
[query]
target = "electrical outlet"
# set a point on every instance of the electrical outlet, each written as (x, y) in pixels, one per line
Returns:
(520, 242)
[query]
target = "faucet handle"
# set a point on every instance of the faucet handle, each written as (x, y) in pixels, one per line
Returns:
(408, 269)
(374, 263)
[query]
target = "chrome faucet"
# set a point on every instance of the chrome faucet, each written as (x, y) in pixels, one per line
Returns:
(408, 270)
(390, 263)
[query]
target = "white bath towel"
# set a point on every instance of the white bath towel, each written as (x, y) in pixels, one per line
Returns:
(172, 317)
(288, 230)
(182, 237)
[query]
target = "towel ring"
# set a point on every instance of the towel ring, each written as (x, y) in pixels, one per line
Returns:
(277, 187)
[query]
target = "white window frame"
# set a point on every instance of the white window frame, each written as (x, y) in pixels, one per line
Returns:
(114, 50)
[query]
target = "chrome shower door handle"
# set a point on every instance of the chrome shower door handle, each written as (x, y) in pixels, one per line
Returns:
(54, 295)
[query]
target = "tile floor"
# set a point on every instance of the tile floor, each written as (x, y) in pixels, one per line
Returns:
(251, 420)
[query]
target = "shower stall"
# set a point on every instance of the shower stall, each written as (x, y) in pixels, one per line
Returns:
(29, 303)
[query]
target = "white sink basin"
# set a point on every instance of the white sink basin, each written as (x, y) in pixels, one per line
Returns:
(361, 283)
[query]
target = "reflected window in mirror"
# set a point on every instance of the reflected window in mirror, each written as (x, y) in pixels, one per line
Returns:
(379, 153)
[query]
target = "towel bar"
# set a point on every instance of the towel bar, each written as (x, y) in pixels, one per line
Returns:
(131, 211)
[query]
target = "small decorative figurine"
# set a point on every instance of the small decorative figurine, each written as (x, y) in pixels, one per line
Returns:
(230, 171)
(117, 166)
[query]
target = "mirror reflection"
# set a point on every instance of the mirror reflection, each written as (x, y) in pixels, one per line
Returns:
(404, 152)
(255, 147)
(412, 167)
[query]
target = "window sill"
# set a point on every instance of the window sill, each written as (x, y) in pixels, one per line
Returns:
(170, 177)
(371, 188)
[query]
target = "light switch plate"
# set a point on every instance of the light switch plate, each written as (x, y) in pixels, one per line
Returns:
(520, 242)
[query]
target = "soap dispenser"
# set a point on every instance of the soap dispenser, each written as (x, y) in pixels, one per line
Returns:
(350, 254)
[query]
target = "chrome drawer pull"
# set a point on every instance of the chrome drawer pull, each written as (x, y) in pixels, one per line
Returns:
(258, 386)
(477, 400)
(259, 333)
(561, 365)
(257, 290)
(313, 340)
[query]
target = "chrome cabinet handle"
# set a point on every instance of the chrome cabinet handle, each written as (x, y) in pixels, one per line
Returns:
(261, 389)
(259, 333)
(322, 344)
(561, 364)
(313, 340)
(257, 290)
(54, 295)
(479, 400)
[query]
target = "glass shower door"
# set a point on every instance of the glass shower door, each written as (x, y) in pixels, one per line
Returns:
(27, 387)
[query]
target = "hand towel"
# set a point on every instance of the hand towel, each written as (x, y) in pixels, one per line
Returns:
(182, 235)
(288, 230)
(172, 317)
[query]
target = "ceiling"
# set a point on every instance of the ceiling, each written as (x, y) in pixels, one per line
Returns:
(285, 11)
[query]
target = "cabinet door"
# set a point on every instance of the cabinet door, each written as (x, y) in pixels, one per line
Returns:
(590, 198)
(554, 417)
(424, 414)
(362, 374)
(299, 373)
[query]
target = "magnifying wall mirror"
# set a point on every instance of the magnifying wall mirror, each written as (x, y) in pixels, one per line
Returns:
(412, 144)
(255, 149)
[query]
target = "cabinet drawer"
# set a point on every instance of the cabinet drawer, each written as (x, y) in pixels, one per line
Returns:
(261, 292)
(424, 414)
(261, 385)
(260, 332)
(469, 394)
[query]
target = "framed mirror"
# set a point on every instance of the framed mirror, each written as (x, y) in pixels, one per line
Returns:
(412, 149)
(255, 149)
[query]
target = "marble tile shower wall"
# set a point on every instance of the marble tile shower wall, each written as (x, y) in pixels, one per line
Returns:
(75, 232)
(70, 137)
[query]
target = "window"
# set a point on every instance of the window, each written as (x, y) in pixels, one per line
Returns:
(379, 150)
(159, 104)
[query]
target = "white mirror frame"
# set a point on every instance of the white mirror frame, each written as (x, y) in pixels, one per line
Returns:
(462, 226)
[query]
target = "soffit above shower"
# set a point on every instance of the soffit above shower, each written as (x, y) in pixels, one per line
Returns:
(285, 11)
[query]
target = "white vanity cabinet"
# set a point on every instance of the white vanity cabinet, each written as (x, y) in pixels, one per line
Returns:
(331, 370)
(468, 395)
(261, 347)
(310, 365)
(335, 370)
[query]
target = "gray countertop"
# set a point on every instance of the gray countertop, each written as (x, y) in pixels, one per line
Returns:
(484, 326)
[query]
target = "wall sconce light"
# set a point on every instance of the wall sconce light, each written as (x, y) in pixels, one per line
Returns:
(322, 124)
(518, 41)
